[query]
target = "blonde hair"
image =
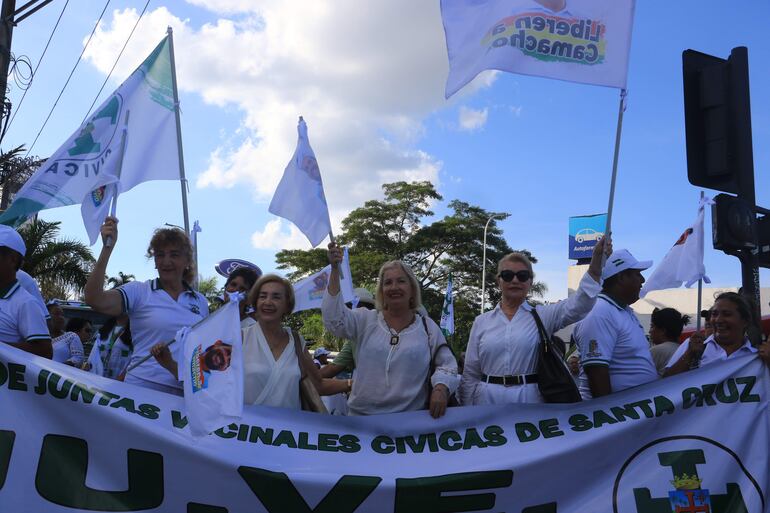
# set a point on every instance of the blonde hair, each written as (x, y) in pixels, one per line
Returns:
(163, 237)
(379, 300)
(516, 256)
(273, 278)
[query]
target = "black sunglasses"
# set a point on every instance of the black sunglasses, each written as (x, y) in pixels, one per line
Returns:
(522, 276)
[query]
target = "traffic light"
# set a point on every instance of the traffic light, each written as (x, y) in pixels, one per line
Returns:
(717, 115)
(734, 223)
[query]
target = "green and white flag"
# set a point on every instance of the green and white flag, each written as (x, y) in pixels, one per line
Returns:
(89, 159)
(448, 312)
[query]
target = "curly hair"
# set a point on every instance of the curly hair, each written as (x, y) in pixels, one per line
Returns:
(175, 237)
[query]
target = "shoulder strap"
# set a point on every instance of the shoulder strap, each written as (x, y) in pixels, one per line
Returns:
(298, 349)
(540, 328)
(433, 353)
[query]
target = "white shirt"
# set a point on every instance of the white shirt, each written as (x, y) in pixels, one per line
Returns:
(268, 381)
(501, 347)
(611, 336)
(29, 284)
(661, 354)
(712, 352)
(68, 348)
(20, 317)
(156, 317)
(389, 378)
(117, 359)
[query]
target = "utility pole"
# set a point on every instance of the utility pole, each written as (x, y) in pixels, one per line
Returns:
(6, 33)
(9, 18)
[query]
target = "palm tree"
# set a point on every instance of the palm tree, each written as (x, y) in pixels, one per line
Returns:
(61, 266)
(120, 279)
(15, 170)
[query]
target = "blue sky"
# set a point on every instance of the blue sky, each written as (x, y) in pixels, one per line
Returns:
(368, 77)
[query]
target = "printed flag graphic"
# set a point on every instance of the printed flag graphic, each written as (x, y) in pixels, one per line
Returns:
(586, 41)
(447, 323)
(309, 292)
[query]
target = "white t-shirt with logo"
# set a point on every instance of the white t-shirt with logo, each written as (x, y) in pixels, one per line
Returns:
(156, 317)
(611, 336)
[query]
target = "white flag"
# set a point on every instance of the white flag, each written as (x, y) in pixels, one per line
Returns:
(309, 292)
(448, 311)
(585, 41)
(683, 264)
(96, 357)
(89, 159)
(300, 194)
(212, 370)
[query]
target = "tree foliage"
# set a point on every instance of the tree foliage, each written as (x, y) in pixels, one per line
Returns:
(400, 227)
(121, 279)
(61, 266)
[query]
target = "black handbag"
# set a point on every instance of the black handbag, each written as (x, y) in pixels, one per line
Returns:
(553, 377)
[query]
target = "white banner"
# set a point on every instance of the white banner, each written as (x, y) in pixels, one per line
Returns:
(74, 442)
(585, 41)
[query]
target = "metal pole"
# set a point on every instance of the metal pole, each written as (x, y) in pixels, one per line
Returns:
(618, 131)
(484, 262)
(700, 288)
(182, 178)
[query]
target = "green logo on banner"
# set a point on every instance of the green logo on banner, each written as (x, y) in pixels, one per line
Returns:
(85, 143)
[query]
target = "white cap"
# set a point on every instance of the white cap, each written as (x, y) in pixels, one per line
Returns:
(320, 352)
(620, 260)
(10, 238)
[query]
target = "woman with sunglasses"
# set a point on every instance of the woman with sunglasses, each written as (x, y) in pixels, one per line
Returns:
(402, 360)
(501, 358)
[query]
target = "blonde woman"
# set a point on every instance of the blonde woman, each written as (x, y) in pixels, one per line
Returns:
(394, 347)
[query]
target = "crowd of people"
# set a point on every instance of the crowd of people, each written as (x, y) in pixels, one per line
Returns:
(395, 357)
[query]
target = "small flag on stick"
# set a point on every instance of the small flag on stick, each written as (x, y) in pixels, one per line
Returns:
(300, 194)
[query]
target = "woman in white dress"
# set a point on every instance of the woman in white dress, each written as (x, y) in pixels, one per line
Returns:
(394, 348)
(67, 337)
(501, 358)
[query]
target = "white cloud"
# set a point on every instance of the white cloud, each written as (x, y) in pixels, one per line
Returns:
(274, 237)
(364, 75)
(471, 119)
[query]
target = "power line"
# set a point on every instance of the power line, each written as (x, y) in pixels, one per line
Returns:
(68, 78)
(34, 72)
(116, 61)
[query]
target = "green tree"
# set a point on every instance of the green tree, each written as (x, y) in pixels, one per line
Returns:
(121, 279)
(15, 170)
(397, 227)
(61, 266)
(210, 290)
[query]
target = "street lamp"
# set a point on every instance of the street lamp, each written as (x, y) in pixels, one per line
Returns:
(484, 260)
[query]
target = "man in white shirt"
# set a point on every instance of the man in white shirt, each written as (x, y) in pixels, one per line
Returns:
(22, 322)
(614, 351)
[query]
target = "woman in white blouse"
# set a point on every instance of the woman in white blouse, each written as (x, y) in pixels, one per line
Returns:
(394, 348)
(501, 358)
(273, 359)
(271, 368)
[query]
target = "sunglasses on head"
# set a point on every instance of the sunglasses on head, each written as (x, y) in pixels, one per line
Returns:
(507, 275)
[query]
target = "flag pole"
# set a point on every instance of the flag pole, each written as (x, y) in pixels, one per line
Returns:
(618, 131)
(700, 293)
(182, 178)
(118, 170)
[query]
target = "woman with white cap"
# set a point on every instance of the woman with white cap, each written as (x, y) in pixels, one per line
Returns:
(502, 354)
(22, 322)
(402, 360)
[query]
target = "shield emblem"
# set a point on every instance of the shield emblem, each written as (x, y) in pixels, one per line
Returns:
(690, 501)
